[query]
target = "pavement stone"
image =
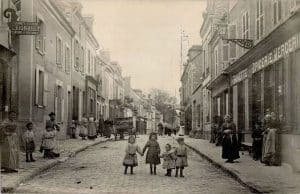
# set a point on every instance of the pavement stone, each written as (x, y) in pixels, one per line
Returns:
(67, 148)
(253, 174)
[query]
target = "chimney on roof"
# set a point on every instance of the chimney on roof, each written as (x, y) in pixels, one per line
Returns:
(89, 20)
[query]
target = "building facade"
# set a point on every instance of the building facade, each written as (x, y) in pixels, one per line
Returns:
(250, 83)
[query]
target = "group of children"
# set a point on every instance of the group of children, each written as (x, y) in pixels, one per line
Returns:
(176, 159)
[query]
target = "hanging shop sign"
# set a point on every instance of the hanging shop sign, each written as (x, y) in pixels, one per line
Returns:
(20, 27)
(239, 77)
(24, 28)
(283, 50)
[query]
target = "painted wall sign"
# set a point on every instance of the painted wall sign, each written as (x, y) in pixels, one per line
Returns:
(239, 77)
(284, 49)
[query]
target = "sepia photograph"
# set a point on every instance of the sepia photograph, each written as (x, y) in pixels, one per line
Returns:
(150, 96)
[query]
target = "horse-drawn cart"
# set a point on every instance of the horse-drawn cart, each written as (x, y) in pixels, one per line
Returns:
(122, 126)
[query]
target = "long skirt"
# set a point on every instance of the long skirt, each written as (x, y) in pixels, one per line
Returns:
(152, 157)
(230, 147)
(257, 148)
(130, 160)
(10, 155)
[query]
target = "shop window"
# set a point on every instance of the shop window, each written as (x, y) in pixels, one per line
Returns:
(241, 106)
(256, 98)
(225, 52)
(269, 89)
(259, 19)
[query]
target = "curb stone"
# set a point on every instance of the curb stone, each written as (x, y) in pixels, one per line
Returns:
(231, 173)
(39, 170)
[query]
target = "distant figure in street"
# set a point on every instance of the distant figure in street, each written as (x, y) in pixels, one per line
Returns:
(257, 137)
(214, 129)
(130, 159)
(230, 147)
(92, 131)
(29, 142)
(107, 128)
(73, 128)
(181, 157)
(160, 129)
(168, 160)
(101, 126)
(83, 132)
(9, 144)
(152, 156)
(271, 143)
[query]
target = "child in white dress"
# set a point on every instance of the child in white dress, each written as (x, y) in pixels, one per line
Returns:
(130, 159)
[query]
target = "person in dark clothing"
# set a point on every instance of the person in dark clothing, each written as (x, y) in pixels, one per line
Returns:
(230, 147)
(101, 126)
(257, 141)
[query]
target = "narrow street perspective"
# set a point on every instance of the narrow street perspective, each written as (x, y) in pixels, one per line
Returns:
(99, 169)
(150, 96)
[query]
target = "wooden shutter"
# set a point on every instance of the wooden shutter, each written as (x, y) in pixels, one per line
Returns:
(45, 89)
(36, 86)
(44, 44)
(232, 46)
(62, 104)
(55, 99)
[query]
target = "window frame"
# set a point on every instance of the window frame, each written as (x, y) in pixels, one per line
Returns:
(67, 60)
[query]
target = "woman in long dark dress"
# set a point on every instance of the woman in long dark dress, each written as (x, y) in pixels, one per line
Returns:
(257, 141)
(230, 147)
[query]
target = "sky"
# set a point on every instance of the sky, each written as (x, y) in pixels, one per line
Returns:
(144, 37)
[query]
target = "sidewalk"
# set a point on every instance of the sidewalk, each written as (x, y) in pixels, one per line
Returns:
(68, 148)
(253, 174)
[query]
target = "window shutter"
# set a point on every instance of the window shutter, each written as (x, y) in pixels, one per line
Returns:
(36, 86)
(57, 51)
(45, 89)
(44, 44)
(62, 108)
(55, 99)
(232, 35)
(225, 52)
(37, 44)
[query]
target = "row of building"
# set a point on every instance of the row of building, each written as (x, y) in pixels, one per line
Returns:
(247, 65)
(62, 68)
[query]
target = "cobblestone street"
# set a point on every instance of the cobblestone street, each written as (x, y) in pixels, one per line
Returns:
(99, 170)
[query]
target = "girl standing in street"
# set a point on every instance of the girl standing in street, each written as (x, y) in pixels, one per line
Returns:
(230, 146)
(169, 160)
(153, 153)
(130, 159)
(181, 157)
(83, 130)
(29, 142)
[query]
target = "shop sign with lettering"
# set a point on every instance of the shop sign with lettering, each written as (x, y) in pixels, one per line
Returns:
(283, 50)
(239, 77)
(24, 28)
